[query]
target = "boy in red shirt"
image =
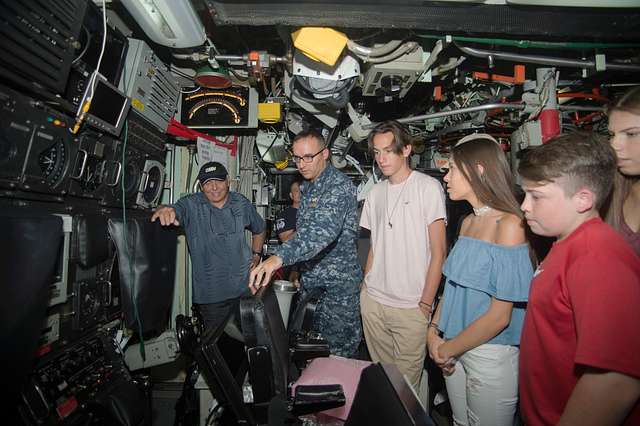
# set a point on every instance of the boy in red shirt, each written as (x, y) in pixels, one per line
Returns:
(580, 345)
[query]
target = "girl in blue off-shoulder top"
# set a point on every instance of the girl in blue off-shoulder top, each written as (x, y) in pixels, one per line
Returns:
(475, 332)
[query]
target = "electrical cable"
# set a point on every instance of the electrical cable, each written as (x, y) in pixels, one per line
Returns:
(91, 85)
(238, 76)
(190, 91)
(86, 46)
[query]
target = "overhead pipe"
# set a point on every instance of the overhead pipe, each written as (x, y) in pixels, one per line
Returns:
(543, 60)
(361, 50)
(405, 48)
(524, 44)
(580, 108)
(440, 114)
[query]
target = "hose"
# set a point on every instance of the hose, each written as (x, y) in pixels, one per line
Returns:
(367, 52)
(405, 48)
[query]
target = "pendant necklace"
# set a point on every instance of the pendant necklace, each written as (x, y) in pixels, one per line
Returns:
(389, 216)
(481, 211)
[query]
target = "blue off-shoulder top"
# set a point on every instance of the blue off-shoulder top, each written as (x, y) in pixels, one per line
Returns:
(478, 270)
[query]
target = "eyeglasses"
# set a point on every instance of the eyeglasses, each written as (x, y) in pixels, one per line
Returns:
(306, 158)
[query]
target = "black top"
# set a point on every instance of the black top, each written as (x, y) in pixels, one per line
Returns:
(286, 221)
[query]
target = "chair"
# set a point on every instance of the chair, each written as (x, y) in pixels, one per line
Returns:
(272, 352)
(202, 346)
(270, 358)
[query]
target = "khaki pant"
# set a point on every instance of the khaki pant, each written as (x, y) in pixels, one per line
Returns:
(395, 336)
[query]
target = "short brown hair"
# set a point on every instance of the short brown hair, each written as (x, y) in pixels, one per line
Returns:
(579, 157)
(310, 133)
(401, 136)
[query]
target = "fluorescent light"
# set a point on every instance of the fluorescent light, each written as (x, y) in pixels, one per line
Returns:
(171, 23)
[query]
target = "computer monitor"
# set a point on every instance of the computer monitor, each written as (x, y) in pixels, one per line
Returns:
(108, 106)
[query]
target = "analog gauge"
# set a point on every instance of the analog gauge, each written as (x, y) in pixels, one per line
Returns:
(52, 161)
(154, 184)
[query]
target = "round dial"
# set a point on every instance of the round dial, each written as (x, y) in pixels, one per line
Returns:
(153, 185)
(52, 161)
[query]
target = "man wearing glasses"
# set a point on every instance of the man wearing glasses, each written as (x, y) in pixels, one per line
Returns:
(324, 245)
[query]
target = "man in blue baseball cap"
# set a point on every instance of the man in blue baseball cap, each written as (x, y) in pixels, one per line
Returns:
(214, 221)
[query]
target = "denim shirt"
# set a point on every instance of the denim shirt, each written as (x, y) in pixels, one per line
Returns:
(220, 255)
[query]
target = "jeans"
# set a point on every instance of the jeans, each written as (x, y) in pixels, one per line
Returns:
(483, 390)
(213, 314)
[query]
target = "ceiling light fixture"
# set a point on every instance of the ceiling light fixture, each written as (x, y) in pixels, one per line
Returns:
(172, 23)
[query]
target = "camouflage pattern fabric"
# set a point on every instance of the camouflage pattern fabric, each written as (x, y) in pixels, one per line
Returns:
(325, 249)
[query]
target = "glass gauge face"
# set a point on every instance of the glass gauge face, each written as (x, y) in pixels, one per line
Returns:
(52, 161)
(153, 185)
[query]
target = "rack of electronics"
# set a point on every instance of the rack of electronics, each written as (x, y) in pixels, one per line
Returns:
(83, 120)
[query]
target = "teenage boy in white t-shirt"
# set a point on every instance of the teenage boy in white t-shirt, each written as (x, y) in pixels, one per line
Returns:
(406, 215)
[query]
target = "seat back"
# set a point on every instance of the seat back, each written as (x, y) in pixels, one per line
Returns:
(305, 304)
(217, 375)
(265, 336)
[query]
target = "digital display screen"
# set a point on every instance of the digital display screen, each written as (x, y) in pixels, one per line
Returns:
(107, 104)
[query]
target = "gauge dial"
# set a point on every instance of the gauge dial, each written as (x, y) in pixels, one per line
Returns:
(154, 184)
(52, 161)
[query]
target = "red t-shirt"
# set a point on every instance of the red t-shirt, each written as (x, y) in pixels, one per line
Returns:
(583, 310)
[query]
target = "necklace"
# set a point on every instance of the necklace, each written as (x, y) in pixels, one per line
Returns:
(389, 216)
(481, 211)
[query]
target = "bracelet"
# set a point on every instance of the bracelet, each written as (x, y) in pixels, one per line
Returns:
(257, 253)
(426, 304)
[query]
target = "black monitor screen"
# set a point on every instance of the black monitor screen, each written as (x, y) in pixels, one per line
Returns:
(107, 104)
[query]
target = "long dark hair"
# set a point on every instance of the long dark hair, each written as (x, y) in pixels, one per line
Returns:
(629, 102)
(494, 187)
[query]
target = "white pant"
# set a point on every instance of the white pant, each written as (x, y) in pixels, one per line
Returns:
(483, 390)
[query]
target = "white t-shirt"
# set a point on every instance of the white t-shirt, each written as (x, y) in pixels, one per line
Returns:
(401, 251)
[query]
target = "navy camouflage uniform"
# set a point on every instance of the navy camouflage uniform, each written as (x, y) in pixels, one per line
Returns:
(325, 248)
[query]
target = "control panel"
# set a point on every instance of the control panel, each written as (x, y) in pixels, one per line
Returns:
(64, 386)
